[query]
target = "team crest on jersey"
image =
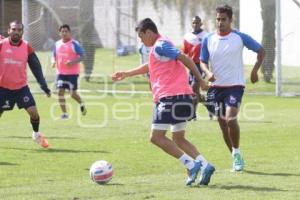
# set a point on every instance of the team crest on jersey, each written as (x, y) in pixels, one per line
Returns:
(232, 99)
(6, 106)
(26, 99)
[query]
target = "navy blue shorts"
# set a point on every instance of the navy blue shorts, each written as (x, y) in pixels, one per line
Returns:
(220, 98)
(173, 110)
(23, 98)
(192, 78)
(67, 81)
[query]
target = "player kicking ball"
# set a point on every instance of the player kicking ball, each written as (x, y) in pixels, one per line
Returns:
(172, 96)
(15, 53)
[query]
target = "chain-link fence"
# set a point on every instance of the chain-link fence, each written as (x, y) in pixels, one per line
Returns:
(106, 31)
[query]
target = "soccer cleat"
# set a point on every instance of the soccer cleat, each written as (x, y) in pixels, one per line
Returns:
(83, 110)
(192, 174)
(64, 116)
(206, 174)
(238, 162)
(40, 139)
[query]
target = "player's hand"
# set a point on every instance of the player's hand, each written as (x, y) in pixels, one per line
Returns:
(204, 85)
(211, 77)
(118, 76)
(254, 76)
(47, 91)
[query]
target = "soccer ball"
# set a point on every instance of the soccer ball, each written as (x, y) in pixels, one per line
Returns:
(101, 172)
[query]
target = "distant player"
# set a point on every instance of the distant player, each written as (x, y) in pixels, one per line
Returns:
(144, 53)
(172, 97)
(15, 53)
(67, 55)
(191, 47)
(223, 50)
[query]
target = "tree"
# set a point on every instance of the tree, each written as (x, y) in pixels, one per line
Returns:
(268, 11)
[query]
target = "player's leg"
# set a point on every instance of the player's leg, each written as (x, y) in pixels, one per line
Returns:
(62, 84)
(35, 123)
(62, 103)
(76, 97)
(207, 169)
(232, 101)
(74, 94)
(234, 133)
(178, 137)
(158, 137)
(25, 100)
(224, 128)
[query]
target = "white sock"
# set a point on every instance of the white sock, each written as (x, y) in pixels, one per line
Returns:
(202, 160)
(35, 135)
(187, 161)
(235, 151)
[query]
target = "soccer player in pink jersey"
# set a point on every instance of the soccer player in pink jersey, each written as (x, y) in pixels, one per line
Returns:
(223, 51)
(67, 55)
(172, 96)
(15, 53)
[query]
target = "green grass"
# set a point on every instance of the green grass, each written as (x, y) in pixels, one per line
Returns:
(106, 62)
(142, 171)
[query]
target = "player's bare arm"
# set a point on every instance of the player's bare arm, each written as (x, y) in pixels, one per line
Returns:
(210, 76)
(142, 69)
(189, 63)
(260, 58)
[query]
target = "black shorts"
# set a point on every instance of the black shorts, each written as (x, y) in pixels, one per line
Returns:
(67, 81)
(22, 97)
(220, 98)
(174, 110)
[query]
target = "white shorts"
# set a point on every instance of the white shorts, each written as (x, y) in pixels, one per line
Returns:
(173, 127)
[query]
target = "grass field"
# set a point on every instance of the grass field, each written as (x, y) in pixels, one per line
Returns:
(117, 128)
(269, 139)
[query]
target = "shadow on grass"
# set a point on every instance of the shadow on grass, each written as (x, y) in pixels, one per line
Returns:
(54, 150)
(247, 187)
(270, 174)
(7, 163)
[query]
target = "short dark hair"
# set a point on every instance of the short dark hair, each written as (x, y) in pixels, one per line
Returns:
(64, 26)
(146, 24)
(16, 22)
(225, 9)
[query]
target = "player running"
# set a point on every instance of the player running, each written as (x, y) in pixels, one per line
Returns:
(172, 97)
(191, 47)
(15, 53)
(67, 55)
(223, 50)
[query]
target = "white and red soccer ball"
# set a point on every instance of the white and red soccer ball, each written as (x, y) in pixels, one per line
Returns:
(101, 172)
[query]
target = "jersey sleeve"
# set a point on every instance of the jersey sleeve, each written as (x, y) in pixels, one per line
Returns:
(165, 48)
(204, 55)
(30, 50)
(78, 49)
(249, 42)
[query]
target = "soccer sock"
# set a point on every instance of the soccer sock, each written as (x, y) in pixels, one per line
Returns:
(202, 160)
(187, 161)
(35, 123)
(235, 151)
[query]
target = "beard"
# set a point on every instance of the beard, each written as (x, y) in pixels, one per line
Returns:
(15, 38)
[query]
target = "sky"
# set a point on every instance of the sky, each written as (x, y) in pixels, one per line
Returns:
(251, 23)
